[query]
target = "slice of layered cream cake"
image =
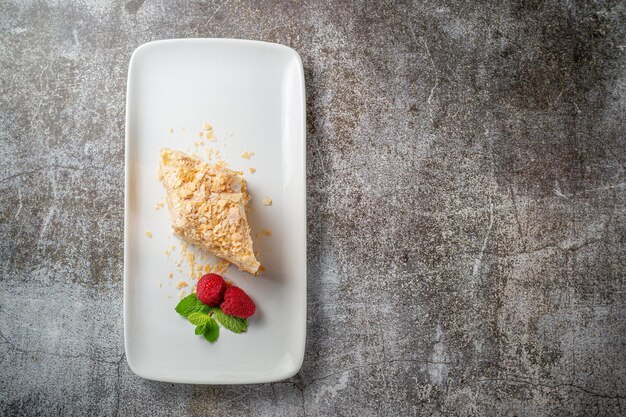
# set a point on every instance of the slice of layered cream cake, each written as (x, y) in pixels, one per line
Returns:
(207, 205)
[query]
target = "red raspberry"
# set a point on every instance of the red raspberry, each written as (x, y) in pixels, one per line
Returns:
(210, 289)
(237, 303)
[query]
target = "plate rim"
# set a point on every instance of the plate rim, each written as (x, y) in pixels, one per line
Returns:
(277, 376)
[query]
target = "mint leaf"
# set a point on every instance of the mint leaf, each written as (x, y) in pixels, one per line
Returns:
(199, 318)
(191, 304)
(232, 323)
(200, 329)
(204, 318)
(211, 330)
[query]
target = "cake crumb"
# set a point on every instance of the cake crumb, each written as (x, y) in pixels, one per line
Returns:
(171, 275)
(170, 130)
(181, 284)
(181, 294)
(158, 206)
(262, 268)
(167, 253)
(267, 232)
(193, 290)
(148, 233)
(207, 268)
(267, 201)
(247, 155)
(252, 170)
(200, 134)
(208, 132)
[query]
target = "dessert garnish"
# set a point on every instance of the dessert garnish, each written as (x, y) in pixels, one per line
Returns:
(201, 308)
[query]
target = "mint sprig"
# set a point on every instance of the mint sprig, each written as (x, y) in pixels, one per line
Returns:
(204, 318)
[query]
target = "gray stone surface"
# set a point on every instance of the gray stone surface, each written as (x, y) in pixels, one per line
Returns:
(467, 211)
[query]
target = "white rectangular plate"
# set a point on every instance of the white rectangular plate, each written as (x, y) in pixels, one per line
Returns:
(252, 93)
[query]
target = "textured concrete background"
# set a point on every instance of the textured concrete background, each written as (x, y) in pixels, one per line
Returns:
(467, 207)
